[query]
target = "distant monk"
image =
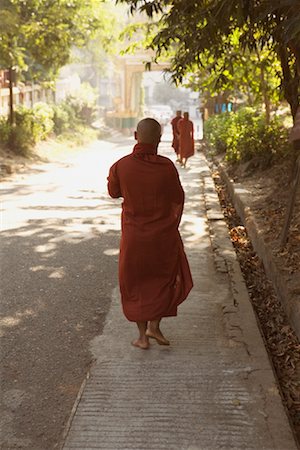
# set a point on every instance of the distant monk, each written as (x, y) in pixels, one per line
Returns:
(154, 273)
(175, 142)
(186, 138)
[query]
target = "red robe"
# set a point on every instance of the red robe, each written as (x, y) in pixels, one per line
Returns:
(186, 138)
(175, 142)
(154, 273)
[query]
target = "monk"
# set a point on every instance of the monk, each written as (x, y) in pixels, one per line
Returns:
(186, 139)
(175, 142)
(154, 273)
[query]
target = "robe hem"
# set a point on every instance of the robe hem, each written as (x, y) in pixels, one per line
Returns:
(152, 318)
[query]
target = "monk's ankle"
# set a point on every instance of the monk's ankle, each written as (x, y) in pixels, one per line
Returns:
(154, 330)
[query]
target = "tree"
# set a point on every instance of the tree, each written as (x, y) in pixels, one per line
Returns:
(93, 60)
(203, 27)
(253, 76)
(39, 34)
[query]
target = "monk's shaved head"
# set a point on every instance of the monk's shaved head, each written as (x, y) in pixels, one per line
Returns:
(148, 131)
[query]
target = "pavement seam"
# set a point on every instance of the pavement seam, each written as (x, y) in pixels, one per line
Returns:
(74, 409)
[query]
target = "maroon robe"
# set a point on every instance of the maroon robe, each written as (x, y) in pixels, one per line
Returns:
(175, 142)
(154, 273)
(186, 138)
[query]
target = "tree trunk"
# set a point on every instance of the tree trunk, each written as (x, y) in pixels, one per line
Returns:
(290, 206)
(290, 82)
(264, 88)
(11, 96)
(265, 94)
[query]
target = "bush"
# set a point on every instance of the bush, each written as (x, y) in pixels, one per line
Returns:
(22, 135)
(216, 131)
(245, 135)
(64, 118)
(31, 125)
(35, 124)
(84, 104)
(43, 120)
(4, 130)
(268, 142)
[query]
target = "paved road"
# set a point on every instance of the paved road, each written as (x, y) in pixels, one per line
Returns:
(60, 234)
(58, 266)
(213, 388)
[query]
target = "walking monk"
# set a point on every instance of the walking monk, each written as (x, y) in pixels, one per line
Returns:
(186, 138)
(175, 142)
(154, 273)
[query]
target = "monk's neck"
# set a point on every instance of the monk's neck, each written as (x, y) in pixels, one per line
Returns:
(141, 147)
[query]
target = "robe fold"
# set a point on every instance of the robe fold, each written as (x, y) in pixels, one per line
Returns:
(175, 142)
(154, 273)
(186, 138)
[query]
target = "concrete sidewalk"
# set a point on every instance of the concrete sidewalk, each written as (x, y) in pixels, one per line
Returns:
(213, 388)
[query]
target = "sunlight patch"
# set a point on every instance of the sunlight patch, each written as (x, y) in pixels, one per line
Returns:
(111, 251)
(58, 273)
(194, 225)
(9, 321)
(45, 247)
(12, 321)
(37, 268)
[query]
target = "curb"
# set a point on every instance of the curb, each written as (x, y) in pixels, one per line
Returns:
(281, 282)
(240, 307)
(68, 425)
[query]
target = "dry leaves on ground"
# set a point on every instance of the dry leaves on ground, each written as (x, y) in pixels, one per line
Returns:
(281, 341)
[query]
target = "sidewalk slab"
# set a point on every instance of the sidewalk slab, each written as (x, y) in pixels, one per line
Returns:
(213, 388)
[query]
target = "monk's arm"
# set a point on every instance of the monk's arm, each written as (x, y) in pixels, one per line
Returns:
(113, 184)
(177, 194)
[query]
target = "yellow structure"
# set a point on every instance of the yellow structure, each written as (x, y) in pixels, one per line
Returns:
(129, 102)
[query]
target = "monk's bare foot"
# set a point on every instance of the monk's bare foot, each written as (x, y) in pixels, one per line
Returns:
(157, 334)
(140, 343)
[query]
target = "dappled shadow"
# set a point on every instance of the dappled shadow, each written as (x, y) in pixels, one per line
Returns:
(57, 282)
(59, 266)
(24, 189)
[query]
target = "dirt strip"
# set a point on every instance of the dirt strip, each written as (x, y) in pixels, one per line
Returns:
(281, 341)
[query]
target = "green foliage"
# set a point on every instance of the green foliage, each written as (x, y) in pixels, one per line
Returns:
(216, 131)
(95, 57)
(35, 124)
(267, 141)
(245, 135)
(4, 130)
(32, 125)
(84, 104)
(24, 134)
(63, 117)
(251, 76)
(43, 120)
(36, 36)
(40, 33)
(202, 35)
